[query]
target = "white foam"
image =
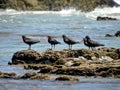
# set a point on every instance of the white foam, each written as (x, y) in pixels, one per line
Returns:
(63, 12)
(117, 1)
(107, 11)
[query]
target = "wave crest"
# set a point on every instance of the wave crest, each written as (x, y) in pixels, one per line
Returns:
(110, 12)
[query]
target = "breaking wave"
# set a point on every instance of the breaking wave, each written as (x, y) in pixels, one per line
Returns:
(107, 11)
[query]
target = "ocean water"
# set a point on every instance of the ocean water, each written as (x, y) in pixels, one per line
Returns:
(39, 24)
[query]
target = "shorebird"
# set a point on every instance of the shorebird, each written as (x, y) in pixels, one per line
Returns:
(90, 43)
(69, 41)
(53, 42)
(29, 41)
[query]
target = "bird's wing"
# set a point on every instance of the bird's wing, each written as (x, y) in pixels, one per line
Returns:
(95, 43)
(32, 40)
(54, 40)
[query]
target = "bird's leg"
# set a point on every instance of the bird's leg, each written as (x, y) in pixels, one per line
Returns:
(54, 46)
(71, 47)
(29, 47)
(93, 49)
(51, 46)
(89, 48)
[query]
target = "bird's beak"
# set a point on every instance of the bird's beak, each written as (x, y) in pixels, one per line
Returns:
(82, 40)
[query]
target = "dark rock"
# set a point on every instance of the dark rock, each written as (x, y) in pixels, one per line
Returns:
(67, 78)
(60, 57)
(99, 18)
(47, 69)
(109, 35)
(33, 76)
(8, 75)
(75, 71)
(117, 34)
(26, 56)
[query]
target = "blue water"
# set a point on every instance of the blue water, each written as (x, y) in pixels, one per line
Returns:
(84, 84)
(39, 24)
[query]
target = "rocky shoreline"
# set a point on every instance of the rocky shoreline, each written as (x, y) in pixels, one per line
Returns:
(117, 34)
(103, 62)
(55, 5)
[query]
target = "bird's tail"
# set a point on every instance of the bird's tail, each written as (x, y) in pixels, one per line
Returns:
(102, 45)
(59, 42)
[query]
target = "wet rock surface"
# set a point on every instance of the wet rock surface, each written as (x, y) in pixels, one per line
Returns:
(99, 18)
(26, 56)
(117, 34)
(104, 62)
(66, 78)
(62, 57)
(37, 76)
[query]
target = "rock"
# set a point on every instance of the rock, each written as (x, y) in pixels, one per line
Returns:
(110, 72)
(69, 63)
(33, 76)
(47, 69)
(117, 34)
(84, 5)
(75, 71)
(63, 57)
(99, 18)
(105, 59)
(8, 75)
(109, 35)
(50, 57)
(66, 78)
(26, 56)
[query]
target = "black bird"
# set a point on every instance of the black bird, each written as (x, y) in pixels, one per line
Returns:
(90, 43)
(69, 41)
(29, 41)
(52, 41)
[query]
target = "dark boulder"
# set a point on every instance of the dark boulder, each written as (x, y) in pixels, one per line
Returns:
(26, 56)
(117, 34)
(109, 35)
(66, 78)
(99, 18)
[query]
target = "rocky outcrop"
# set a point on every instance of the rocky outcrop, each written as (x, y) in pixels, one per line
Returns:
(8, 75)
(85, 68)
(99, 18)
(84, 5)
(117, 34)
(66, 78)
(103, 62)
(37, 76)
(26, 56)
(63, 57)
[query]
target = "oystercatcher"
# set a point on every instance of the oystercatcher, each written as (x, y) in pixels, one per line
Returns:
(69, 41)
(90, 43)
(29, 41)
(52, 41)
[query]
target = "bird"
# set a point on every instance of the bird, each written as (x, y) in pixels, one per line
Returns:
(90, 43)
(52, 41)
(29, 41)
(69, 41)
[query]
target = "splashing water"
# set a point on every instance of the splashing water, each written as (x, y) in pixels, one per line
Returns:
(117, 1)
(107, 11)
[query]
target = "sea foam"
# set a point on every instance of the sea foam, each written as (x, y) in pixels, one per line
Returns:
(107, 11)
